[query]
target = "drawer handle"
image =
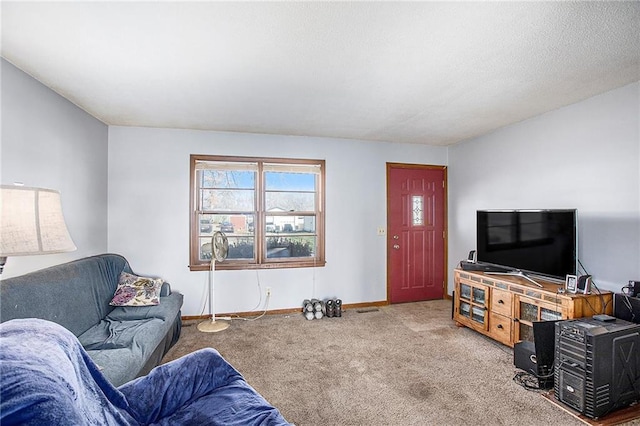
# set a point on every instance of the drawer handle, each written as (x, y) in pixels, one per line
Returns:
(500, 326)
(501, 302)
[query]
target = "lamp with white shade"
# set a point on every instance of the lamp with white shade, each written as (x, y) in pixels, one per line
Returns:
(31, 223)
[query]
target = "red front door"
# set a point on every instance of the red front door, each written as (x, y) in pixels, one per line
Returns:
(416, 232)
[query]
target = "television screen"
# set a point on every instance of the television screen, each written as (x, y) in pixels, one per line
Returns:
(542, 242)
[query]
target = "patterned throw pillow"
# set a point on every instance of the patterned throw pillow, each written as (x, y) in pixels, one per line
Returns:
(137, 291)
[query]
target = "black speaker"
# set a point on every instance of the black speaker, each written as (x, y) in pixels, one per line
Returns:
(537, 357)
(524, 357)
(584, 284)
(472, 256)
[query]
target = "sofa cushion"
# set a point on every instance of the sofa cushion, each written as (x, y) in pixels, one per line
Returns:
(75, 295)
(125, 339)
(120, 348)
(133, 290)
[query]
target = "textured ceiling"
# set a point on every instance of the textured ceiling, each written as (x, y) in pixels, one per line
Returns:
(421, 72)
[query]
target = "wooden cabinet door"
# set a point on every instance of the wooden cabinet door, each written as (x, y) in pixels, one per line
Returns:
(529, 310)
(471, 305)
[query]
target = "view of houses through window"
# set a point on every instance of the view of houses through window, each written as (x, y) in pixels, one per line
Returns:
(271, 211)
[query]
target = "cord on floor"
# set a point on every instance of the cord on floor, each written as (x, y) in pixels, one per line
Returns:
(527, 381)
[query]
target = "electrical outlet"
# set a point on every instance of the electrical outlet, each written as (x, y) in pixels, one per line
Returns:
(268, 291)
(382, 231)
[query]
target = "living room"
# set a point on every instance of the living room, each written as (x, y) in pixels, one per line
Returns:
(125, 187)
(582, 156)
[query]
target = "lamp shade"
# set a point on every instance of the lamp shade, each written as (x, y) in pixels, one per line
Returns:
(32, 222)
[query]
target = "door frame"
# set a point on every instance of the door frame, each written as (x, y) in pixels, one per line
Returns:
(445, 287)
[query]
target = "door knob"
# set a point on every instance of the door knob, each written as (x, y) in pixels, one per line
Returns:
(396, 246)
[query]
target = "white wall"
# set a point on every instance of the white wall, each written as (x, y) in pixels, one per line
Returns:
(49, 142)
(149, 213)
(584, 156)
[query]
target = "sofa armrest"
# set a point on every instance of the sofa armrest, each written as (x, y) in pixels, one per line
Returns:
(167, 310)
(170, 386)
(165, 290)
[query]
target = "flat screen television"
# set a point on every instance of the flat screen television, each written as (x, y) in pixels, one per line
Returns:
(537, 242)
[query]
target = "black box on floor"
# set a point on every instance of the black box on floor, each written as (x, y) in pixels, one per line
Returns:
(626, 307)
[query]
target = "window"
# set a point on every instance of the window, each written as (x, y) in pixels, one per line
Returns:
(417, 203)
(271, 210)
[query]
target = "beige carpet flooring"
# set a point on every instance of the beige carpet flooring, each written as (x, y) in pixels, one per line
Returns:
(405, 364)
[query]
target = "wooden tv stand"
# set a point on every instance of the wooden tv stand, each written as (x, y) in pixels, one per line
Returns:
(504, 307)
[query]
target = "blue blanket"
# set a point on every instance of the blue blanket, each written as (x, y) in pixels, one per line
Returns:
(46, 377)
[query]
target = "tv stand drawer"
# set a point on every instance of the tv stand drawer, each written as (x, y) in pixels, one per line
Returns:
(500, 328)
(501, 302)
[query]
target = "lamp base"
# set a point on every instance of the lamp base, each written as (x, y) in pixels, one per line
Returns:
(210, 326)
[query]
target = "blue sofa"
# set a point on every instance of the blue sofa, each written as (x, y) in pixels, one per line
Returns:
(124, 341)
(47, 378)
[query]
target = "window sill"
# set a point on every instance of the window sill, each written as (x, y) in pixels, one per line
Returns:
(222, 266)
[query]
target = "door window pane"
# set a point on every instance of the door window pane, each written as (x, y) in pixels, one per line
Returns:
(417, 206)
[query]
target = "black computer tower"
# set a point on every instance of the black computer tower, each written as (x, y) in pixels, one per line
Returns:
(597, 365)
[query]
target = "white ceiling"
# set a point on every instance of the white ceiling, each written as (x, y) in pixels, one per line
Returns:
(417, 72)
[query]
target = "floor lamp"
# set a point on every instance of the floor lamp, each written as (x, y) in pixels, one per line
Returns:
(31, 223)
